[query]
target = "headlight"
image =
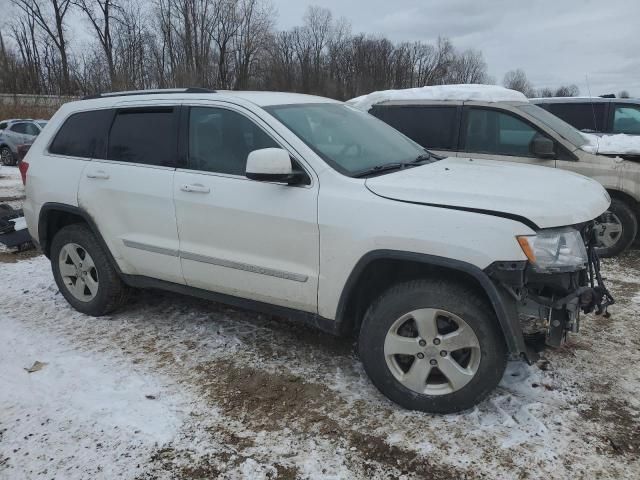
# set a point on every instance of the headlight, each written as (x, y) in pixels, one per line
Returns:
(555, 250)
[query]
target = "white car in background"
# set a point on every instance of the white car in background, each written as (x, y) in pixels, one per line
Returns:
(306, 207)
(494, 123)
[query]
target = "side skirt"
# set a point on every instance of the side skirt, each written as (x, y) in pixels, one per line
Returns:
(314, 320)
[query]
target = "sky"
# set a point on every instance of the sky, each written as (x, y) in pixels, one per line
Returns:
(591, 43)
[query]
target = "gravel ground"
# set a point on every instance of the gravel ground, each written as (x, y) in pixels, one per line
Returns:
(172, 387)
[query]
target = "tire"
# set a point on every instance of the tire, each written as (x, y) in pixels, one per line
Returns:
(104, 291)
(488, 359)
(7, 157)
(622, 214)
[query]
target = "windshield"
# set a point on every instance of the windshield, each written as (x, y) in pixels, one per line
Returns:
(562, 128)
(349, 140)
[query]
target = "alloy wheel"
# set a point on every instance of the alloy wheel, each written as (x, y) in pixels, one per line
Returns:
(609, 230)
(6, 156)
(78, 272)
(432, 351)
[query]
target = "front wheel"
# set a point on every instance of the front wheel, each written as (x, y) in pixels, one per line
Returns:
(616, 229)
(7, 157)
(433, 346)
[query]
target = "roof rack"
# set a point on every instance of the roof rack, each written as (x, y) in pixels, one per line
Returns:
(149, 92)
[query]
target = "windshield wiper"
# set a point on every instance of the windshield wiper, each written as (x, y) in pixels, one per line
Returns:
(382, 168)
(426, 157)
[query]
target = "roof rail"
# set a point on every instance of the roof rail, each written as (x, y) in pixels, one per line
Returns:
(149, 92)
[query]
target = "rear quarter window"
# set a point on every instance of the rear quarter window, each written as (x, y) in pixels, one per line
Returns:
(583, 116)
(432, 127)
(83, 135)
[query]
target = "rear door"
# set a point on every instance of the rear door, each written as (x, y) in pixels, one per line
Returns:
(494, 134)
(249, 239)
(17, 133)
(435, 127)
(127, 190)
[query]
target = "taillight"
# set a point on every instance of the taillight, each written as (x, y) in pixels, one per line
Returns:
(23, 167)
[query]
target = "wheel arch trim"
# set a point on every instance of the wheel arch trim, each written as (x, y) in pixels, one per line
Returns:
(43, 224)
(503, 305)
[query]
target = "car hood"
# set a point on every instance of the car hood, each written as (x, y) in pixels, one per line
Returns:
(542, 196)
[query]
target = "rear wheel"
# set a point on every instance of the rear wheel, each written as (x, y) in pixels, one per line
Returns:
(84, 273)
(616, 229)
(6, 156)
(433, 346)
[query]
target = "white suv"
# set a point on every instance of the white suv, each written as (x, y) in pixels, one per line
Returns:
(307, 207)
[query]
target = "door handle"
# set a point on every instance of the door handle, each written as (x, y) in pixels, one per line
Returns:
(194, 188)
(102, 175)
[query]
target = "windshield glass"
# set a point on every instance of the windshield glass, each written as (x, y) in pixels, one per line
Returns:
(566, 131)
(349, 140)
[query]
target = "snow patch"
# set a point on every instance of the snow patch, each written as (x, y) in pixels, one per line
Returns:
(463, 92)
(620, 144)
(79, 410)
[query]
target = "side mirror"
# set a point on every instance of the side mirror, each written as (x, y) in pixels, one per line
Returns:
(272, 165)
(542, 147)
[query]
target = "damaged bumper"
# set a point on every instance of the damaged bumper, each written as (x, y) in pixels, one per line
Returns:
(546, 306)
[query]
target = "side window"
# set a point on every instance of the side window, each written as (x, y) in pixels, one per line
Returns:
(144, 135)
(83, 135)
(492, 131)
(431, 127)
(626, 119)
(584, 116)
(220, 140)
(31, 129)
(18, 128)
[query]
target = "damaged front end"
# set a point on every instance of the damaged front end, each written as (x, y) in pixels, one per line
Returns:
(560, 281)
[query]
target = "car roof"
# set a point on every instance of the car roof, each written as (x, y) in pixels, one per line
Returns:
(635, 101)
(16, 120)
(259, 98)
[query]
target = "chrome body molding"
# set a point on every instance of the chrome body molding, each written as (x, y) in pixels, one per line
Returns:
(150, 248)
(271, 272)
(296, 277)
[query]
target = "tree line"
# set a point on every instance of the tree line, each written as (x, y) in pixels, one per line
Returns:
(218, 44)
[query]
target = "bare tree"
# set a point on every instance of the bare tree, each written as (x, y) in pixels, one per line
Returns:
(567, 91)
(545, 92)
(467, 67)
(517, 80)
(50, 15)
(100, 14)
(623, 94)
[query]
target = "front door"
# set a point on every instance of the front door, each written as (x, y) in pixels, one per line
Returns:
(493, 134)
(249, 239)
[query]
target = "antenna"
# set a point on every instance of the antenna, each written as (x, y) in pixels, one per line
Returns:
(593, 108)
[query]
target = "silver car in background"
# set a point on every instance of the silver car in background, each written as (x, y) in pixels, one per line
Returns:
(16, 132)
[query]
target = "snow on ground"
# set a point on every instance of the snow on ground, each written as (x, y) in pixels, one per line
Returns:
(483, 93)
(234, 394)
(11, 188)
(619, 144)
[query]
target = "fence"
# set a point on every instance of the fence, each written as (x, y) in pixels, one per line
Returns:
(30, 106)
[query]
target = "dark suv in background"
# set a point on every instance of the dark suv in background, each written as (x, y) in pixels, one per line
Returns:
(596, 114)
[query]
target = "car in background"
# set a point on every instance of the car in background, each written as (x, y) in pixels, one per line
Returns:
(489, 122)
(15, 132)
(608, 116)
